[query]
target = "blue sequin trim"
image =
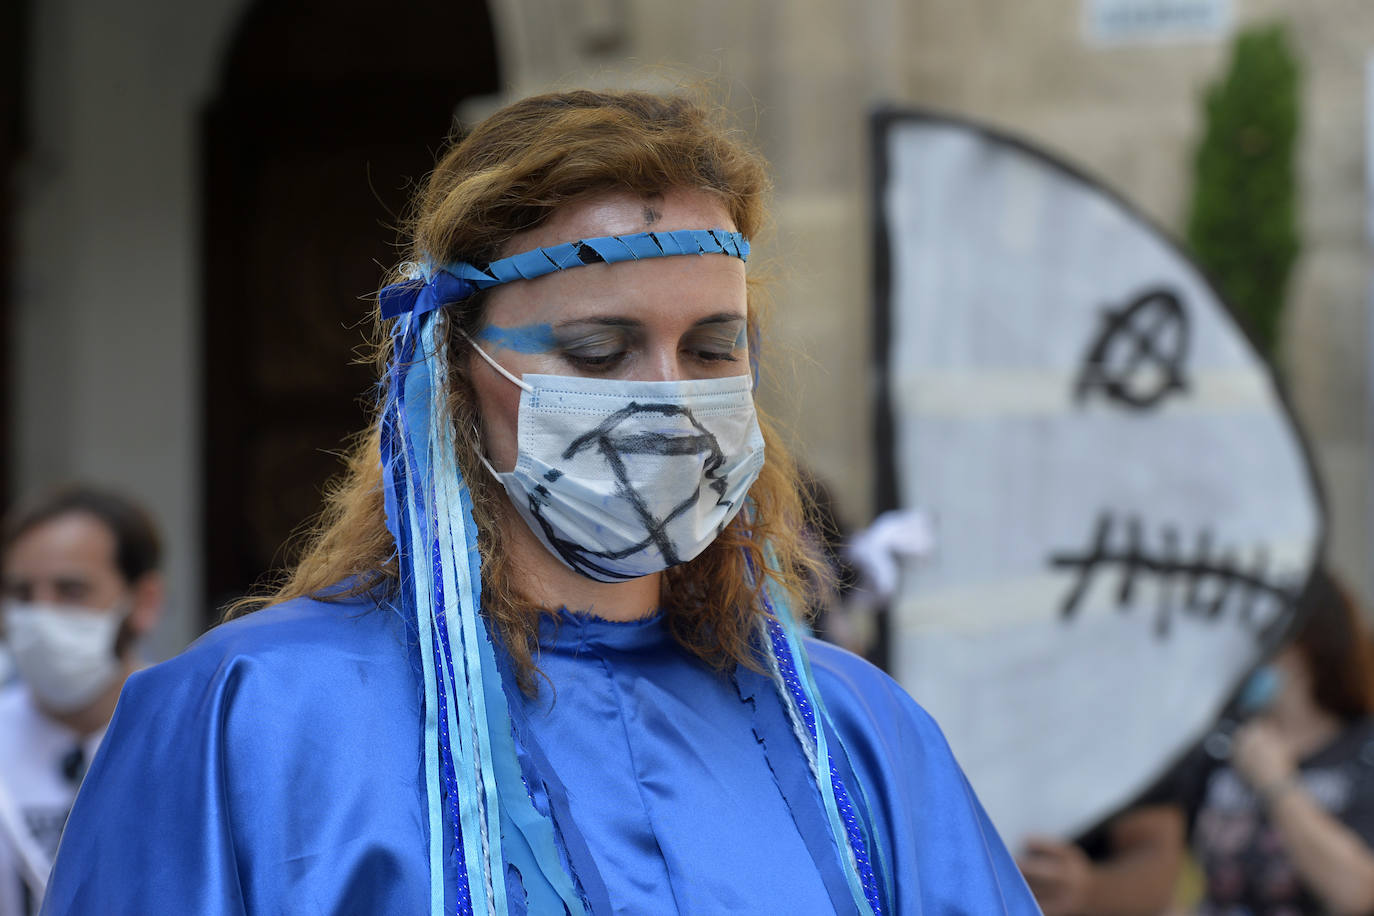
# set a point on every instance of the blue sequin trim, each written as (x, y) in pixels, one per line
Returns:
(853, 833)
(464, 903)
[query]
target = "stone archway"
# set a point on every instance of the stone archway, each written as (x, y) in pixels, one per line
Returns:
(326, 116)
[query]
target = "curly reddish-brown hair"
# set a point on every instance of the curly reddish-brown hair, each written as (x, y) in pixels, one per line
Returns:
(509, 175)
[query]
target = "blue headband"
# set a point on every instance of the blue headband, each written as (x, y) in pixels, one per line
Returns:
(456, 282)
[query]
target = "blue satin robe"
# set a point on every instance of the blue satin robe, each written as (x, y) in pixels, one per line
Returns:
(276, 767)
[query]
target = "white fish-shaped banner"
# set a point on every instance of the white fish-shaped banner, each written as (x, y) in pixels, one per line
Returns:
(1124, 510)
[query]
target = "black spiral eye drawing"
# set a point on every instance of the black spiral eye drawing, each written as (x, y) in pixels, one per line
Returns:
(1138, 356)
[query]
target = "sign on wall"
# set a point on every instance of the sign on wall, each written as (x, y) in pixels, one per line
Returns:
(1125, 21)
(1124, 511)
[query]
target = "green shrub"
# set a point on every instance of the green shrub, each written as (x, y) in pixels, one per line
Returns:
(1243, 223)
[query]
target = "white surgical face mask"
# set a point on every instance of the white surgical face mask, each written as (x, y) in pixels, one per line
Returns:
(620, 479)
(65, 654)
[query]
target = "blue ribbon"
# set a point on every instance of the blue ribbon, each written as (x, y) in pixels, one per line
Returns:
(418, 298)
(475, 787)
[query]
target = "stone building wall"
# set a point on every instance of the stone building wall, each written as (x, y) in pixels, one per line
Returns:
(1131, 115)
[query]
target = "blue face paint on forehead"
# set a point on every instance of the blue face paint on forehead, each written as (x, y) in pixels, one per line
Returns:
(452, 283)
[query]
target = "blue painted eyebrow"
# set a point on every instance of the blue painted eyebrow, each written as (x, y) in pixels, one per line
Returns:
(529, 338)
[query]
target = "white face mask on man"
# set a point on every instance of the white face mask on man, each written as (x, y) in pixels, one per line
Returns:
(65, 654)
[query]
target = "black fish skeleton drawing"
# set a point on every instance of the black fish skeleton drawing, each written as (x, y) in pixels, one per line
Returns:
(1125, 508)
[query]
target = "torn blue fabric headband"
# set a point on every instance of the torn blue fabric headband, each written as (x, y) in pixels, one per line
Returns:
(456, 282)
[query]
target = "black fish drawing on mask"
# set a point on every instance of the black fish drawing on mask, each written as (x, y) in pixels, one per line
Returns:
(1125, 509)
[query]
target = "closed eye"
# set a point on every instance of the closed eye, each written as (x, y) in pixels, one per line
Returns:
(599, 363)
(716, 356)
(600, 350)
(718, 340)
(72, 591)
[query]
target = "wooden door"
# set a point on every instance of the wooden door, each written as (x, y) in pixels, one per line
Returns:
(309, 165)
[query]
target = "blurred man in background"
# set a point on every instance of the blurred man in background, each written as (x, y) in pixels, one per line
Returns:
(80, 586)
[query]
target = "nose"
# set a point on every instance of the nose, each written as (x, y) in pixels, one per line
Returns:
(663, 363)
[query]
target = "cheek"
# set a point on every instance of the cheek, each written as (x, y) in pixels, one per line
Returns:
(498, 407)
(109, 594)
(100, 588)
(1292, 668)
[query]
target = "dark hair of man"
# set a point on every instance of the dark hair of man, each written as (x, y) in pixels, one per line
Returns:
(1335, 643)
(138, 550)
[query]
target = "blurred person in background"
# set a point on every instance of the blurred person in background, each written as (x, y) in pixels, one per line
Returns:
(540, 657)
(1128, 867)
(80, 586)
(830, 612)
(1286, 824)
(1283, 825)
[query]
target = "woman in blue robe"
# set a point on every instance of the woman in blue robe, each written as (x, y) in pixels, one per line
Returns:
(540, 657)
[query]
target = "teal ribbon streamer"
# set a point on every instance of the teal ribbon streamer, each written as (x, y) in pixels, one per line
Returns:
(467, 717)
